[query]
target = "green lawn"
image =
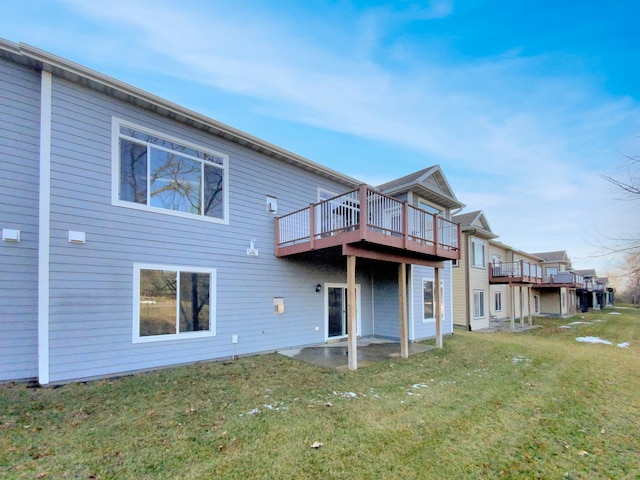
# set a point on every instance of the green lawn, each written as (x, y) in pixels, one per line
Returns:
(537, 404)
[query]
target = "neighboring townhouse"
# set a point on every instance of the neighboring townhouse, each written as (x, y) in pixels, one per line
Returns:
(595, 292)
(513, 276)
(138, 234)
(561, 290)
(471, 274)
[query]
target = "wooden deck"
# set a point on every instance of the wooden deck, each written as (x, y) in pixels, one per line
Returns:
(393, 231)
(515, 272)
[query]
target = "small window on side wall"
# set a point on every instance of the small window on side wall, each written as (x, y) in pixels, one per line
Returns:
(173, 302)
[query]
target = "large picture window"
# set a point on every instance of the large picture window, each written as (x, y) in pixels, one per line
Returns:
(160, 173)
(172, 302)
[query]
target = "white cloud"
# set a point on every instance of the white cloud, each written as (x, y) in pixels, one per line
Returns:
(531, 144)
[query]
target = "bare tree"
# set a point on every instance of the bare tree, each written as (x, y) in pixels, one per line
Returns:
(628, 245)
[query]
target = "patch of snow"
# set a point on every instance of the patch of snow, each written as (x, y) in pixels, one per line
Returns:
(520, 359)
(565, 326)
(580, 323)
(419, 385)
(624, 344)
(593, 340)
(615, 313)
(345, 394)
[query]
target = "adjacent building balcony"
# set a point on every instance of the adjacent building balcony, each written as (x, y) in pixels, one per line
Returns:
(563, 279)
(515, 272)
(368, 223)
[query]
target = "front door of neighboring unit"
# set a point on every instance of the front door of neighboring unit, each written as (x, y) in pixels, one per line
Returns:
(336, 308)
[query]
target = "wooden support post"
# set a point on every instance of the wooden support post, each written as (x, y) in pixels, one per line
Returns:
(521, 306)
(512, 298)
(437, 300)
(529, 290)
(352, 348)
(402, 311)
(312, 225)
(363, 217)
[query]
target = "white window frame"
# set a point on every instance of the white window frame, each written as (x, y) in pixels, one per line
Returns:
(479, 310)
(498, 301)
(433, 308)
(428, 207)
(137, 338)
(476, 244)
(116, 123)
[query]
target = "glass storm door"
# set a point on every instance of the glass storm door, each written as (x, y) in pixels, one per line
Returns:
(337, 312)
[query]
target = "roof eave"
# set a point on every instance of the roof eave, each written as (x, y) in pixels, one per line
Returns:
(61, 67)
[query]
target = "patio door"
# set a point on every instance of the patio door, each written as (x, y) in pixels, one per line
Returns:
(336, 299)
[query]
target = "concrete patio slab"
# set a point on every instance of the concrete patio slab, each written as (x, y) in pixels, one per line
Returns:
(335, 355)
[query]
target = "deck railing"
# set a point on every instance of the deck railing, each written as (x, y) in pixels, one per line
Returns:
(564, 278)
(519, 270)
(383, 214)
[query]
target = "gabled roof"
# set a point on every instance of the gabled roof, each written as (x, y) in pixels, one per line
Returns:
(429, 183)
(60, 67)
(475, 222)
(558, 256)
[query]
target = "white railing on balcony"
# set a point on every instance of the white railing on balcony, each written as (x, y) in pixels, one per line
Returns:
(336, 214)
(518, 269)
(384, 215)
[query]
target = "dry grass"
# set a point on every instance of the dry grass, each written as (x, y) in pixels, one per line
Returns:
(500, 405)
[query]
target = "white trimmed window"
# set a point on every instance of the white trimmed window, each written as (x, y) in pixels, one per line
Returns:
(173, 302)
(498, 301)
(153, 171)
(477, 253)
(428, 312)
(478, 304)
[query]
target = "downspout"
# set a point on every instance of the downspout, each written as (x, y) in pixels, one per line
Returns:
(44, 227)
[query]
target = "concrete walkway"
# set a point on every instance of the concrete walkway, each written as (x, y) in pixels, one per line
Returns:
(335, 355)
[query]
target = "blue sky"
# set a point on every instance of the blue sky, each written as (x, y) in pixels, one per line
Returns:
(524, 104)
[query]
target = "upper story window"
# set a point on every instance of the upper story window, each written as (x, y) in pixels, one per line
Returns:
(160, 173)
(429, 208)
(477, 253)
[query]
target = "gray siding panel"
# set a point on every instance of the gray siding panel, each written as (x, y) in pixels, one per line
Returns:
(88, 338)
(19, 146)
(422, 329)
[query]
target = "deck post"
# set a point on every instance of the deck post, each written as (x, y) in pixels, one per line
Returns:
(363, 218)
(352, 345)
(512, 291)
(276, 228)
(529, 302)
(405, 224)
(521, 306)
(402, 311)
(312, 225)
(438, 308)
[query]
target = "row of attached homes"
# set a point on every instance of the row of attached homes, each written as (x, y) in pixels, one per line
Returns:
(494, 282)
(138, 234)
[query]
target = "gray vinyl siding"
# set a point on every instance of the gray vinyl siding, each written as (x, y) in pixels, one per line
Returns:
(422, 330)
(91, 295)
(387, 323)
(19, 159)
